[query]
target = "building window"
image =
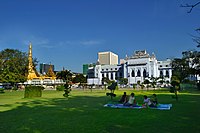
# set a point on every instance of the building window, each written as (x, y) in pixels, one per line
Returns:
(160, 65)
(166, 65)
(111, 77)
(106, 69)
(120, 74)
(111, 69)
(116, 77)
(102, 69)
(115, 68)
(102, 75)
(161, 73)
(167, 74)
(144, 73)
(138, 73)
(133, 73)
(107, 75)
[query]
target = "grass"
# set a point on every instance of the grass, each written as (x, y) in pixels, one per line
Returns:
(84, 112)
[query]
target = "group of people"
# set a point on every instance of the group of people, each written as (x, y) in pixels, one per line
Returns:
(131, 101)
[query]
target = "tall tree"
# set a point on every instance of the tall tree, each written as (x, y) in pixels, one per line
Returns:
(180, 68)
(79, 78)
(123, 81)
(64, 75)
(13, 66)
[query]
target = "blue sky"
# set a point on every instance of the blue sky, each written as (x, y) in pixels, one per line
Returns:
(70, 33)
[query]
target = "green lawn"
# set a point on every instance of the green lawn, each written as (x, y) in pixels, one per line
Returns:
(84, 112)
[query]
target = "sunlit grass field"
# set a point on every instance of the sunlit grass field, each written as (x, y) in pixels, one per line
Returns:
(83, 112)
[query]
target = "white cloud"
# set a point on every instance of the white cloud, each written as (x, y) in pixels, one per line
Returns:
(83, 42)
(91, 42)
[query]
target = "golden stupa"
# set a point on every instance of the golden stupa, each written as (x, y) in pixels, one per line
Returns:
(32, 72)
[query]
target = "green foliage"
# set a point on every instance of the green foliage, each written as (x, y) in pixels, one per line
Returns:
(79, 78)
(60, 88)
(146, 81)
(13, 66)
(2, 90)
(134, 86)
(198, 85)
(105, 80)
(64, 75)
(123, 81)
(33, 91)
(67, 89)
(15, 88)
(112, 88)
(189, 64)
(142, 86)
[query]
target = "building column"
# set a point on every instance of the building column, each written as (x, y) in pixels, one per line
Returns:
(113, 75)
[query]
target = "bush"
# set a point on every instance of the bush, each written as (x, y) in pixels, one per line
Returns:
(2, 90)
(15, 88)
(60, 88)
(33, 91)
(198, 86)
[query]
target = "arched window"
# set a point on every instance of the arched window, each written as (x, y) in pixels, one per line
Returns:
(144, 73)
(161, 73)
(133, 73)
(111, 77)
(120, 75)
(107, 75)
(138, 73)
(167, 74)
(116, 77)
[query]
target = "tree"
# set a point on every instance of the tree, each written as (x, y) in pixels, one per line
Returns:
(64, 75)
(154, 81)
(123, 81)
(190, 6)
(79, 78)
(14, 66)
(180, 68)
(112, 88)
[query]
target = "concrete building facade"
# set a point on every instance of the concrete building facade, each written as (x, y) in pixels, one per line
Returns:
(107, 58)
(138, 67)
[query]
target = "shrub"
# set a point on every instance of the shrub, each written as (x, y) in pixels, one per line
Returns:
(33, 91)
(60, 88)
(198, 85)
(15, 88)
(2, 90)
(67, 89)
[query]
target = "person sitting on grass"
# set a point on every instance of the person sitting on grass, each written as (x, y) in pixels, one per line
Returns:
(146, 102)
(131, 101)
(124, 98)
(154, 100)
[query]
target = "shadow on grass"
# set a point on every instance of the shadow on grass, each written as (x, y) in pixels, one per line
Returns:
(87, 114)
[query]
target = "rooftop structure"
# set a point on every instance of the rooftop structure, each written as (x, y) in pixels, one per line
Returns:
(107, 58)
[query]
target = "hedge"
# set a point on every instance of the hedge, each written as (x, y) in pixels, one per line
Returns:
(33, 91)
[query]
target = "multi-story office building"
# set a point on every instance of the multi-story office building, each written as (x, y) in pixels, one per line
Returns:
(44, 68)
(138, 67)
(107, 58)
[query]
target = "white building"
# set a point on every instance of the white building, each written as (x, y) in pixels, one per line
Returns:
(136, 68)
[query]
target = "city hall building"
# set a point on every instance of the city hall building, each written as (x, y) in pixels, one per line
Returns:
(138, 67)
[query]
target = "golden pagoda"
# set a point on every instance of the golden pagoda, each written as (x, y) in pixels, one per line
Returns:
(32, 72)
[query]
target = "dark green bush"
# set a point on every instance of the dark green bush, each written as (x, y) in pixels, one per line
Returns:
(67, 89)
(15, 88)
(198, 85)
(33, 91)
(60, 88)
(2, 90)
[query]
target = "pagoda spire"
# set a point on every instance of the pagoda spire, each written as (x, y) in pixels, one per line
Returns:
(31, 71)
